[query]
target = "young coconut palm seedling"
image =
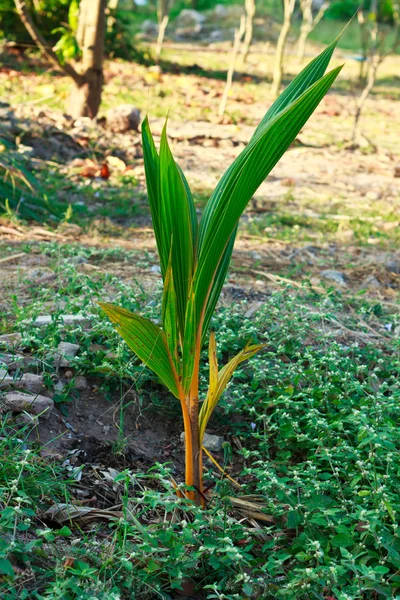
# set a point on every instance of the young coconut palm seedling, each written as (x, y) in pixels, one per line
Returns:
(195, 257)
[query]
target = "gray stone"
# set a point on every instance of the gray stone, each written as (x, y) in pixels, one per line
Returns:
(65, 351)
(213, 443)
(59, 386)
(149, 28)
(28, 381)
(123, 118)
(15, 361)
(335, 276)
(190, 18)
(394, 266)
(79, 260)
(220, 11)
(370, 282)
(80, 383)
(10, 340)
(33, 404)
(45, 320)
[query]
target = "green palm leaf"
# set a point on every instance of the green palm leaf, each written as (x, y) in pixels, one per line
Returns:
(147, 341)
(244, 177)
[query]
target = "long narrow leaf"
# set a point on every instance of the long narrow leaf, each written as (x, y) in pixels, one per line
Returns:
(217, 284)
(244, 177)
(147, 341)
(216, 389)
(170, 317)
(305, 79)
(176, 221)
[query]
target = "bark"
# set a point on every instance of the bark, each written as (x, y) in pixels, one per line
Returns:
(41, 43)
(376, 54)
(250, 6)
(85, 97)
(229, 78)
(163, 9)
(281, 45)
(160, 38)
(309, 23)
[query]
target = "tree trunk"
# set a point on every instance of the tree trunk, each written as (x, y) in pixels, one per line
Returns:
(229, 77)
(250, 6)
(85, 96)
(162, 26)
(308, 24)
(280, 47)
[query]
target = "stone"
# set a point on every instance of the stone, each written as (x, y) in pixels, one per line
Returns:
(123, 118)
(370, 282)
(45, 320)
(65, 351)
(190, 18)
(15, 361)
(28, 381)
(335, 276)
(149, 28)
(220, 11)
(34, 404)
(394, 266)
(80, 383)
(79, 260)
(59, 386)
(212, 442)
(10, 340)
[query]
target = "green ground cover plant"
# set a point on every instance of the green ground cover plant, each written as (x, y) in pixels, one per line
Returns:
(319, 439)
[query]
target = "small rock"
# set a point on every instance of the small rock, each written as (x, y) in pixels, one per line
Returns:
(155, 269)
(149, 28)
(394, 266)
(371, 195)
(15, 361)
(79, 260)
(80, 383)
(3, 374)
(28, 381)
(335, 276)
(123, 118)
(106, 429)
(213, 443)
(189, 18)
(45, 320)
(65, 351)
(10, 340)
(33, 404)
(220, 11)
(59, 386)
(370, 282)
(253, 308)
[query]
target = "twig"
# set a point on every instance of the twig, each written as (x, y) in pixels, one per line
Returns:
(12, 257)
(42, 44)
